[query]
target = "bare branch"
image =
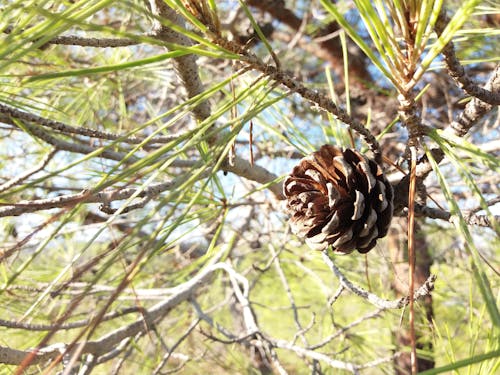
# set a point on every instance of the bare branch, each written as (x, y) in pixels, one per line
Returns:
(374, 314)
(334, 363)
(424, 289)
(205, 317)
(336, 295)
(68, 326)
(243, 168)
(11, 112)
(86, 196)
(165, 359)
(470, 218)
(109, 341)
(288, 291)
(19, 179)
(73, 40)
(476, 108)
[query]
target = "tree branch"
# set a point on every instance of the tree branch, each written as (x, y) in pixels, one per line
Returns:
(19, 179)
(187, 70)
(186, 66)
(474, 110)
(68, 326)
(470, 218)
(108, 342)
(320, 98)
(14, 113)
(326, 47)
(87, 196)
(424, 290)
(487, 95)
(73, 40)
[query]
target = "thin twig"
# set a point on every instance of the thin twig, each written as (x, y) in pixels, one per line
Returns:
(165, 358)
(87, 196)
(334, 363)
(374, 314)
(336, 295)
(11, 112)
(288, 291)
(19, 179)
(424, 290)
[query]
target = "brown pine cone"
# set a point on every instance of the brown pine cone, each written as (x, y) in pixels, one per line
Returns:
(340, 198)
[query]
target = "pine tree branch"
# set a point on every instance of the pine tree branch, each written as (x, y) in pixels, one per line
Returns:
(476, 108)
(474, 111)
(320, 98)
(470, 218)
(67, 326)
(87, 196)
(187, 70)
(78, 148)
(14, 113)
(324, 45)
(73, 40)
(456, 71)
(424, 290)
(186, 66)
(109, 341)
(19, 179)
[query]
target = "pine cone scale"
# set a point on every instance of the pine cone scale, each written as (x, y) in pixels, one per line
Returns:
(359, 206)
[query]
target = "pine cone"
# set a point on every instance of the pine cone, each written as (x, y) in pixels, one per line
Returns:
(339, 198)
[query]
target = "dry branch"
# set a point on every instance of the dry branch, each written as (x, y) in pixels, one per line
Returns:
(14, 113)
(109, 341)
(87, 196)
(19, 179)
(375, 300)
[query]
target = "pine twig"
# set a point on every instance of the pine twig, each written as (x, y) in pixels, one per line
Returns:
(87, 196)
(19, 179)
(60, 127)
(73, 40)
(457, 72)
(424, 290)
(470, 217)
